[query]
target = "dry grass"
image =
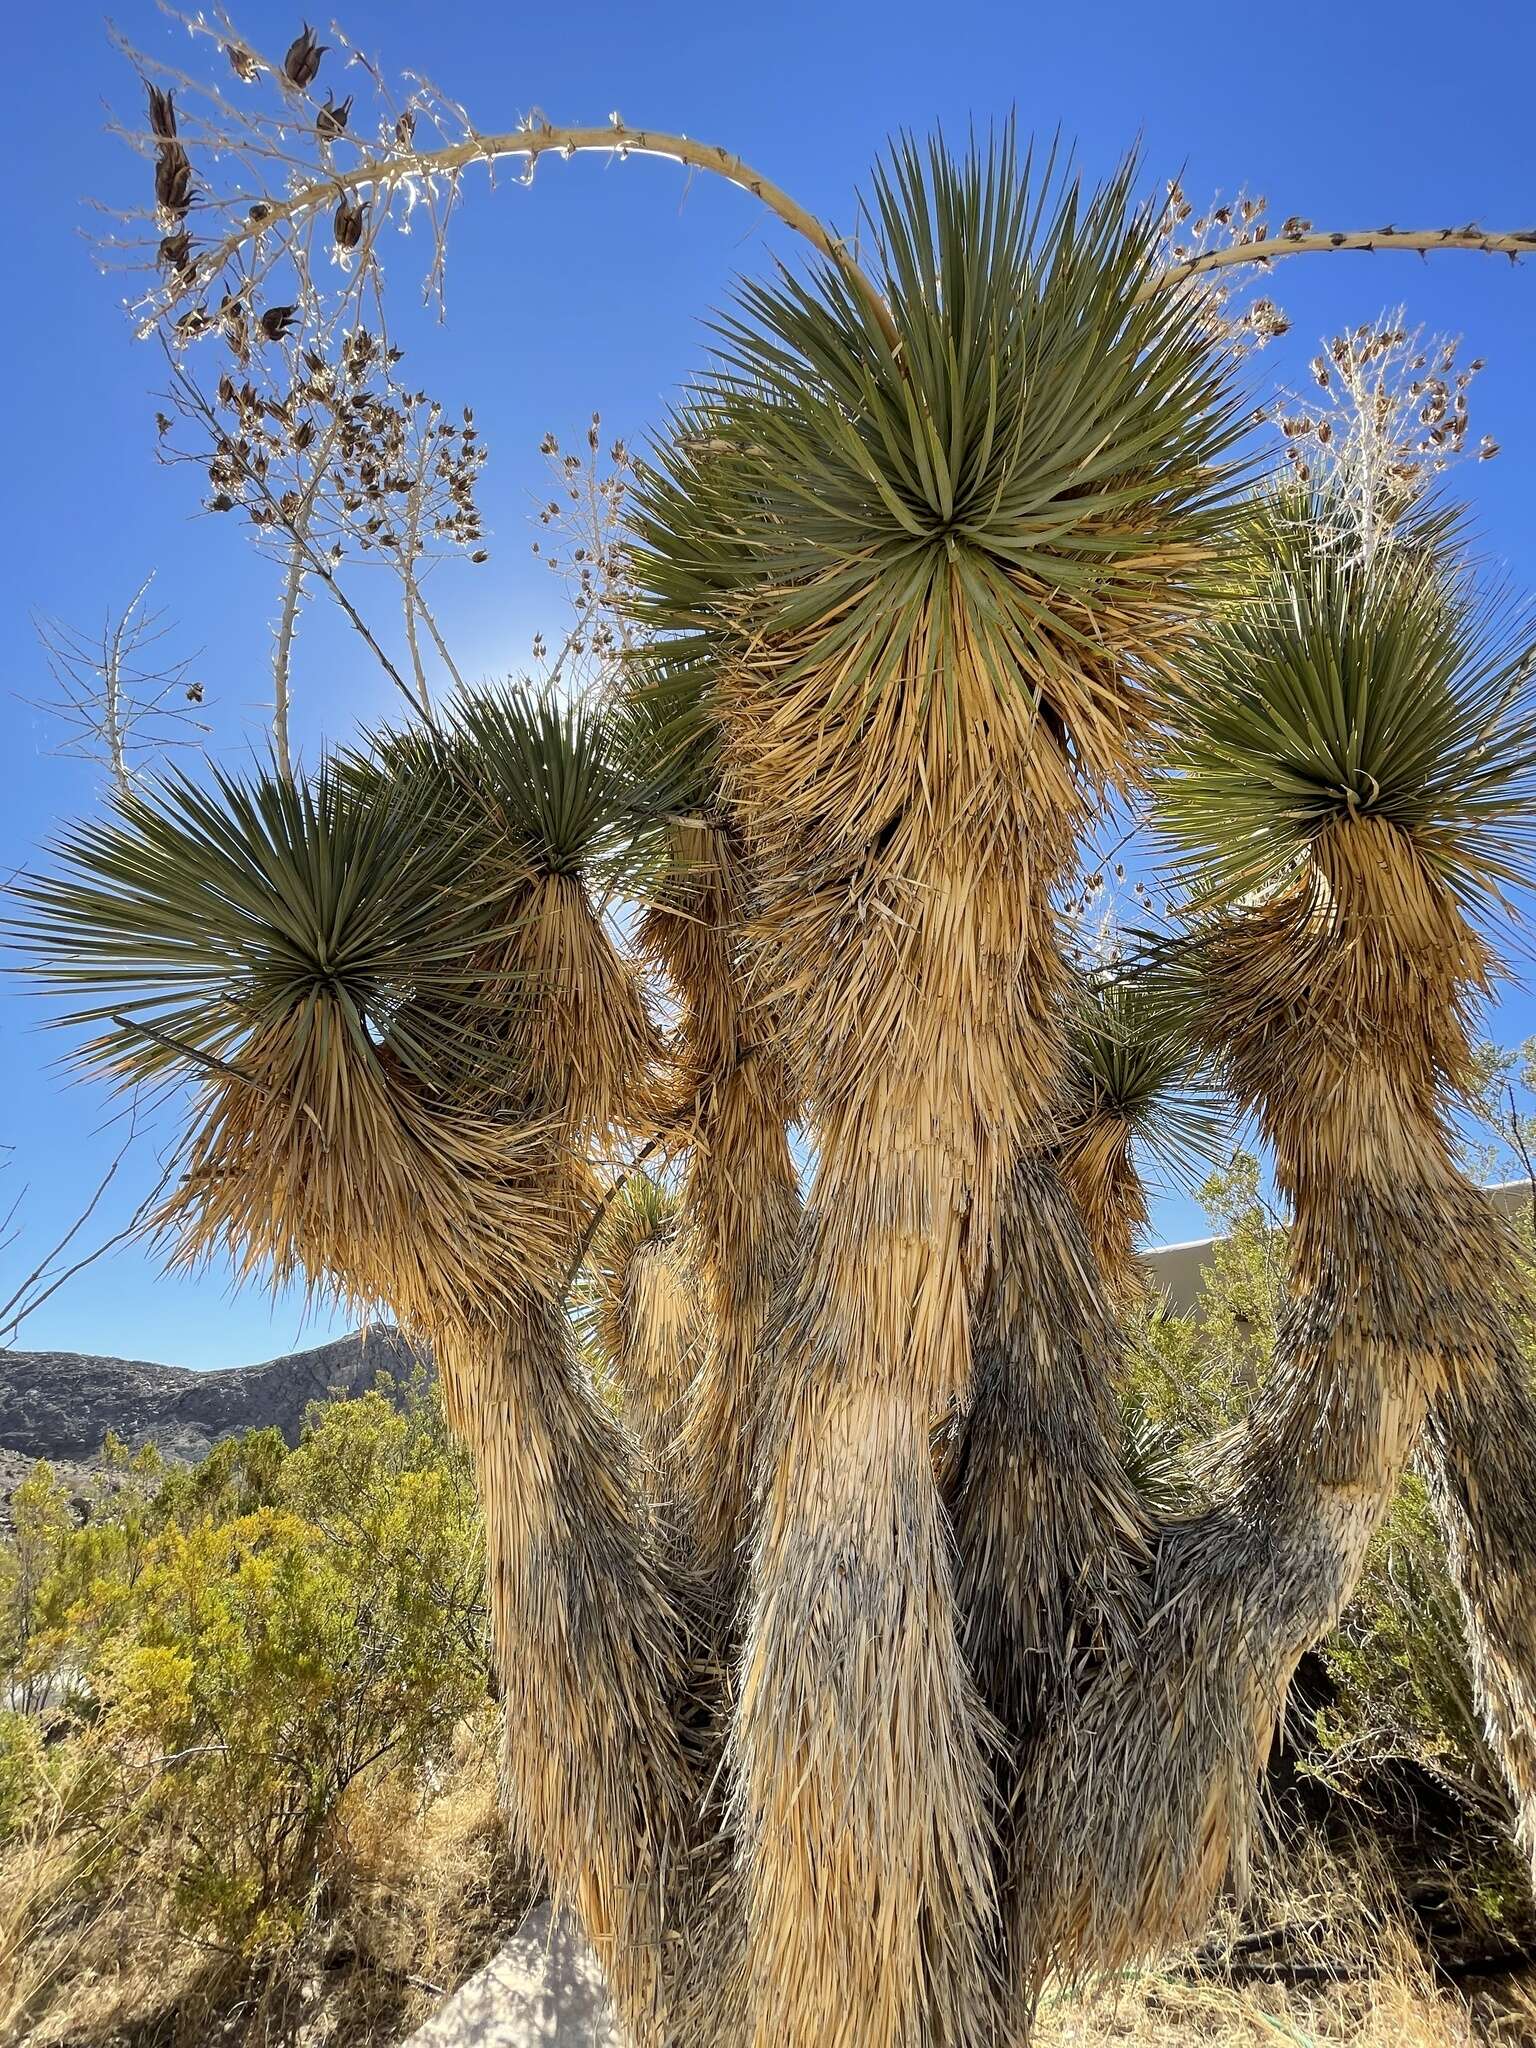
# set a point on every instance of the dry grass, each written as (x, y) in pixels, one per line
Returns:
(415, 1900)
(1381, 2011)
(1345, 1969)
(418, 1899)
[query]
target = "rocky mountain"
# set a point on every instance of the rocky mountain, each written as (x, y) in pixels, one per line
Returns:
(59, 1405)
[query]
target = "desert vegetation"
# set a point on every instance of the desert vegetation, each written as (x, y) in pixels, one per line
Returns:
(248, 1778)
(857, 1685)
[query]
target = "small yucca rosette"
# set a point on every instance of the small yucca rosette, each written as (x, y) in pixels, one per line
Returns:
(286, 952)
(1346, 684)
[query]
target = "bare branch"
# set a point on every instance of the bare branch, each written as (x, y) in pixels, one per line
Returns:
(119, 703)
(49, 1275)
(1412, 241)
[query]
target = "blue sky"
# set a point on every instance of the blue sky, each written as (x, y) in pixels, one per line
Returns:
(591, 291)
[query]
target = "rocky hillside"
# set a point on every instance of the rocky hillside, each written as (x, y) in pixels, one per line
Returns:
(60, 1405)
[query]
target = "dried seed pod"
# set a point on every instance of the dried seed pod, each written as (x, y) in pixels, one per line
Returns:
(405, 129)
(302, 63)
(162, 113)
(333, 116)
(175, 252)
(242, 63)
(277, 321)
(173, 179)
(347, 225)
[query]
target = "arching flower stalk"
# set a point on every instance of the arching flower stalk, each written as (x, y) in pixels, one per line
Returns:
(293, 208)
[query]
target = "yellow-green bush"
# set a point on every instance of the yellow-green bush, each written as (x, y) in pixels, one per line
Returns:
(232, 1651)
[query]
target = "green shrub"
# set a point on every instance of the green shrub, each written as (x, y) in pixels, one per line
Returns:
(249, 1643)
(23, 1771)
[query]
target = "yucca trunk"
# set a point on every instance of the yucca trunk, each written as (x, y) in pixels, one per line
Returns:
(863, 1754)
(1048, 1527)
(1480, 1456)
(643, 1313)
(1052, 1541)
(590, 1653)
(657, 1359)
(1337, 1009)
(589, 1639)
(860, 1747)
(1377, 1189)
(740, 1197)
(1101, 1176)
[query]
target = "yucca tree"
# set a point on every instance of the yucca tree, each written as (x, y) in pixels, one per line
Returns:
(1358, 788)
(924, 586)
(1349, 779)
(851, 1683)
(406, 1029)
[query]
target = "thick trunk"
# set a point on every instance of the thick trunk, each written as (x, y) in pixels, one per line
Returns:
(1052, 1539)
(589, 1648)
(861, 1749)
(863, 1754)
(1053, 1544)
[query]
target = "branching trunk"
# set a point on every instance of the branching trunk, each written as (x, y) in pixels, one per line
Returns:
(1480, 1453)
(1139, 1799)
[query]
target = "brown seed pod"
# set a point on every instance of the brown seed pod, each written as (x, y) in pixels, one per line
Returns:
(277, 320)
(302, 63)
(347, 225)
(175, 252)
(173, 179)
(333, 116)
(242, 63)
(162, 113)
